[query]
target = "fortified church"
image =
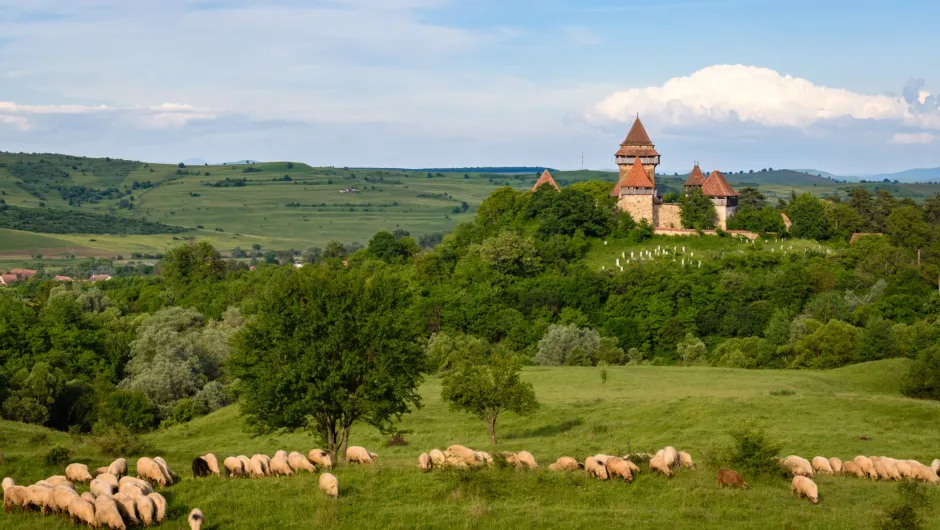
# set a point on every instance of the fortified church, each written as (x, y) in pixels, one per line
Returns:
(636, 188)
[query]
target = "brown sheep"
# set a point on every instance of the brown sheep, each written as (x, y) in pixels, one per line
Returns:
(82, 511)
(299, 462)
(150, 470)
(617, 467)
(107, 514)
(565, 463)
(320, 458)
(804, 487)
(424, 462)
(658, 463)
(145, 509)
(78, 473)
(329, 484)
(195, 519)
(729, 477)
(593, 468)
(159, 506)
(835, 464)
(359, 455)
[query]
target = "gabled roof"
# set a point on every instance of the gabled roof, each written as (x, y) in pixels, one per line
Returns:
(546, 178)
(24, 273)
(637, 135)
(7, 279)
(717, 186)
(696, 177)
(636, 178)
(99, 277)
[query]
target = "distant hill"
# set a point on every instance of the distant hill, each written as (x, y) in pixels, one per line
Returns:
(910, 175)
(827, 174)
(776, 176)
(503, 170)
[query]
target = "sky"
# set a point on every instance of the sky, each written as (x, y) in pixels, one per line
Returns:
(849, 87)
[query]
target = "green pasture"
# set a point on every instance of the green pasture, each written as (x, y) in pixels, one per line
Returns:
(843, 412)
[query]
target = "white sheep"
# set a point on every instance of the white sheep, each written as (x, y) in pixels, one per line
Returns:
(256, 467)
(804, 487)
(280, 466)
(107, 514)
(299, 462)
(821, 465)
(140, 483)
(40, 496)
(172, 478)
(14, 496)
(234, 467)
(159, 506)
(424, 462)
(145, 509)
(78, 473)
(359, 455)
(564, 463)
(321, 458)
(329, 484)
(127, 508)
(685, 460)
(798, 465)
(437, 457)
(671, 456)
(149, 470)
(118, 468)
(659, 464)
(82, 511)
(109, 478)
(195, 519)
(835, 464)
(61, 497)
(526, 460)
(213, 463)
(594, 468)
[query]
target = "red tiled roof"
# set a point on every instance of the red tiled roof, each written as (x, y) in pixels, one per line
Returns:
(546, 178)
(636, 178)
(632, 150)
(59, 278)
(717, 186)
(7, 279)
(24, 273)
(696, 177)
(99, 277)
(637, 135)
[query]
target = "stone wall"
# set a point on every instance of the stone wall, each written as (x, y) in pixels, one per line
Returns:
(690, 232)
(667, 215)
(639, 207)
(725, 213)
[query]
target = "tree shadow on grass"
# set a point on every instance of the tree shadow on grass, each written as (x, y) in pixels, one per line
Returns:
(546, 430)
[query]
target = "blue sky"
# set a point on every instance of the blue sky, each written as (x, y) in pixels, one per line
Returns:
(848, 87)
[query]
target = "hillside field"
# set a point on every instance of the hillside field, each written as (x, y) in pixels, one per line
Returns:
(842, 412)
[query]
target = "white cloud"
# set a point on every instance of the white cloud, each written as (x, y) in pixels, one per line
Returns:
(166, 115)
(914, 138)
(748, 93)
(16, 121)
(922, 96)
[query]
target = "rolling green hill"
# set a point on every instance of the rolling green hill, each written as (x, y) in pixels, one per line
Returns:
(843, 412)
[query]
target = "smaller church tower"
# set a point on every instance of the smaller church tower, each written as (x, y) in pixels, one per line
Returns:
(637, 145)
(723, 197)
(696, 179)
(545, 179)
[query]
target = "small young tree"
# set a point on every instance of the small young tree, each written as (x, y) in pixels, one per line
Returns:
(487, 391)
(923, 378)
(329, 347)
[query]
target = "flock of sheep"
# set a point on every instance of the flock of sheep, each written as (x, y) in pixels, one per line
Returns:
(114, 499)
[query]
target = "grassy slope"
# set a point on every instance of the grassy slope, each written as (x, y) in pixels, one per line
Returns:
(640, 408)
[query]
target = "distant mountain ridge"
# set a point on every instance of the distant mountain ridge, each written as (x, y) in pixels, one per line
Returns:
(908, 175)
(488, 169)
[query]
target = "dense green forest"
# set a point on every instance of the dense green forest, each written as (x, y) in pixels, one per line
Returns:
(144, 350)
(49, 221)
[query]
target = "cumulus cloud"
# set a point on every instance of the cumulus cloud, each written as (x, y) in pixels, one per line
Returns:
(748, 93)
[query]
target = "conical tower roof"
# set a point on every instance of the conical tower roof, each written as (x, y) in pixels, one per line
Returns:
(696, 177)
(636, 178)
(546, 178)
(637, 135)
(717, 186)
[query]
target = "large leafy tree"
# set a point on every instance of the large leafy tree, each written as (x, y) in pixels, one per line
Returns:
(487, 391)
(187, 264)
(698, 211)
(906, 227)
(328, 347)
(809, 218)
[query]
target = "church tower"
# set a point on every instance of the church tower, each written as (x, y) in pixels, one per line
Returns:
(637, 145)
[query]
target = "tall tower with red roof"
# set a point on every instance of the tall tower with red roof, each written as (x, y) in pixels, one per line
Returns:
(637, 144)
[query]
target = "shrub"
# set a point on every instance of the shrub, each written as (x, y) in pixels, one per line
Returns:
(691, 349)
(904, 514)
(922, 379)
(116, 440)
(58, 455)
(752, 452)
(131, 409)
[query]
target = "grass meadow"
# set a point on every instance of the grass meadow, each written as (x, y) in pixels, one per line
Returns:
(842, 412)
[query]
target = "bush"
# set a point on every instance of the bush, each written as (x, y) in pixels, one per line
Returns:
(58, 455)
(905, 513)
(752, 452)
(922, 380)
(131, 409)
(116, 440)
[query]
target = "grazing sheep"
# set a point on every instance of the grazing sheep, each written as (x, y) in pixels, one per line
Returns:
(924, 473)
(685, 460)
(804, 487)
(880, 470)
(617, 467)
(671, 456)
(891, 467)
(280, 454)
(329, 484)
(358, 455)
(835, 464)
(280, 466)
(172, 478)
(145, 509)
(798, 465)
(661, 452)
(150, 470)
(14, 496)
(437, 457)
(127, 508)
(635, 469)
(849, 467)
(7, 482)
(246, 463)
(195, 519)
(565, 463)
(107, 514)
(61, 497)
(601, 458)
(234, 467)
(526, 460)
(658, 463)
(200, 467)
(99, 471)
(485, 457)
(935, 465)
(866, 465)
(299, 462)
(374, 457)
(595, 469)
(78, 473)
(320, 458)
(213, 463)
(729, 477)
(131, 490)
(821, 465)
(40, 496)
(255, 467)
(89, 496)
(109, 478)
(82, 511)
(424, 462)
(56, 481)
(511, 459)
(118, 468)
(140, 483)
(159, 506)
